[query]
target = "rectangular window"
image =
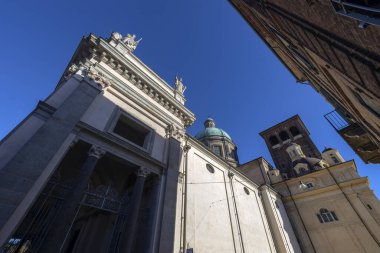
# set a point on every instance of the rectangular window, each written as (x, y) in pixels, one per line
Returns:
(217, 150)
(131, 130)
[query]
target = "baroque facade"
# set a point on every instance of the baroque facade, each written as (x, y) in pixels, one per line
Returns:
(334, 46)
(104, 164)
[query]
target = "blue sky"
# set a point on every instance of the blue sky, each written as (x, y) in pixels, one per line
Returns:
(229, 72)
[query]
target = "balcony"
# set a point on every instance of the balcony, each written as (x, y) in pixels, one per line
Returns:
(365, 11)
(355, 136)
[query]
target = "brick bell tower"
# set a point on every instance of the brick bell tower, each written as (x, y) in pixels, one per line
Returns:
(278, 138)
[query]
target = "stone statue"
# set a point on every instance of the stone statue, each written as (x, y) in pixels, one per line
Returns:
(130, 41)
(178, 85)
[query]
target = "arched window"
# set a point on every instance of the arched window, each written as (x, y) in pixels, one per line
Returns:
(294, 131)
(273, 140)
(284, 136)
(335, 160)
(326, 216)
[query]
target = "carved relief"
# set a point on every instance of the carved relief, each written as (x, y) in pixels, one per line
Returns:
(97, 77)
(129, 41)
(175, 132)
(96, 151)
(143, 172)
(84, 63)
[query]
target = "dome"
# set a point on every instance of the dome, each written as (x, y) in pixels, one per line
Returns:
(210, 130)
(327, 149)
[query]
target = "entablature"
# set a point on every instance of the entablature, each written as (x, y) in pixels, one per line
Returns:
(94, 51)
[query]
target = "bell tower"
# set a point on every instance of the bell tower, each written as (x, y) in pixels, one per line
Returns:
(278, 138)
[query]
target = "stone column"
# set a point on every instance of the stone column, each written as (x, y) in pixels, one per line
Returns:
(60, 227)
(154, 216)
(133, 212)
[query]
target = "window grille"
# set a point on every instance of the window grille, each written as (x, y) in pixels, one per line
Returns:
(325, 216)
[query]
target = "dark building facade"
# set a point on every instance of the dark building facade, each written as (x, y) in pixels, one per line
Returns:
(334, 46)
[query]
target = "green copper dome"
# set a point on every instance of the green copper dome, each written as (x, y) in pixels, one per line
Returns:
(211, 130)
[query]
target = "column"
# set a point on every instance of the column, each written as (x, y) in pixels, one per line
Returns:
(59, 229)
(154, 216)
(133, 212)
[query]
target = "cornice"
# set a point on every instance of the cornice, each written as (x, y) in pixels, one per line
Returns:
(93, 49)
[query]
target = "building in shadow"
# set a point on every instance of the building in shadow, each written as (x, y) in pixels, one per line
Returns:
(333, 46)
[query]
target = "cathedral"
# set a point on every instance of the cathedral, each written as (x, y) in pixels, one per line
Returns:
(104, 164)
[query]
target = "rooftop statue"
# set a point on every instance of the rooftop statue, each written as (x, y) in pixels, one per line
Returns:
(179, 87)
(129, 40)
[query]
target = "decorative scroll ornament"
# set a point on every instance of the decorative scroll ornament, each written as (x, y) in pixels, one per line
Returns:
(129, 41)
(96, 152)
(175, 132)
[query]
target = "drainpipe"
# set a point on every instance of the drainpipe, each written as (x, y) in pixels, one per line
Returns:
(186, 149)
(230, 175)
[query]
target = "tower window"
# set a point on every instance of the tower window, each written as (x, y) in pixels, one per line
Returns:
(335, 160)
(369, 206)
(326, 216)
(273, 140)
(284, 136)
(294, 131)
(217, 150)
(131, 130)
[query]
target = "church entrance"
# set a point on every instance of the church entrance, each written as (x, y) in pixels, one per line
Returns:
(94, 219)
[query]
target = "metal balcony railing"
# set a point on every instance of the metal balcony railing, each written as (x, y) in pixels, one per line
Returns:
(336, 120)
(366, 11)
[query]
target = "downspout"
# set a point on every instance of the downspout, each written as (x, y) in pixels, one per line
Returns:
(186, 148)
(230, 175)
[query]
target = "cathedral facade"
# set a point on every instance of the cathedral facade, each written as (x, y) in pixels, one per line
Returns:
(104, 164)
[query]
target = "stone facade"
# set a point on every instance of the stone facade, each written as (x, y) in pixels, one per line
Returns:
(338, 55)
(104, 164)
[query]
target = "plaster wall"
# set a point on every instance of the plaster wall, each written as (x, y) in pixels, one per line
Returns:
(281, 227)
(221, 215)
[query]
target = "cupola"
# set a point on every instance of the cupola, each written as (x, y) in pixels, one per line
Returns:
(332, 156)
(219, 141)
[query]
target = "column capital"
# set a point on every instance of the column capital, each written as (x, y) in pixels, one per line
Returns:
(186, 148)
(143, 172)
(96, 152)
